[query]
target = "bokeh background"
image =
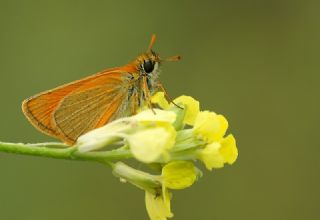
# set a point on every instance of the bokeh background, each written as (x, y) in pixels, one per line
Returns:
(256, 62)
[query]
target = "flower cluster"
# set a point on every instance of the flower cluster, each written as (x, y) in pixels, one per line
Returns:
(170, 139)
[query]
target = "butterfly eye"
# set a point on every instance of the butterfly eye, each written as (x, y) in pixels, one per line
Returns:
(148, 66)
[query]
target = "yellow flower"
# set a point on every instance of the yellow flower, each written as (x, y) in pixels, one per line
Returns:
(192, 108)
(210, 127)
(160, 100)
(158, 206)
(152, 143)
(179, 174)
(216, 154)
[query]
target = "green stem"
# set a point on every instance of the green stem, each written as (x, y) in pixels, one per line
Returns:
(61, 151)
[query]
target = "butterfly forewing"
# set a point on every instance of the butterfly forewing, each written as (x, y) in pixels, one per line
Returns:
(69, 111)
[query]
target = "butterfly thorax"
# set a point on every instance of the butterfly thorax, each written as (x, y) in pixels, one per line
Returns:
(144, 79)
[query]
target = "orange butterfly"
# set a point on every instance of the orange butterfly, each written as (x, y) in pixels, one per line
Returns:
(71, 110)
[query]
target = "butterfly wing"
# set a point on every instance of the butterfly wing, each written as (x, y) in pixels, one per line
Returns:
(91, 105)
(76, 108)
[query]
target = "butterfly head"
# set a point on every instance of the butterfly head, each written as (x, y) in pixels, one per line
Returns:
(149, 62)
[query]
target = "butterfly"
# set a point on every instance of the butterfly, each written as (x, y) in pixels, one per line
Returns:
(73, 109)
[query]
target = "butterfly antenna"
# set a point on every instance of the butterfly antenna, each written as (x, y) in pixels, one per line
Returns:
(172, 59)
(152, 41)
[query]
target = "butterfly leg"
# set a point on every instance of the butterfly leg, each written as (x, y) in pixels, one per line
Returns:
(147, 95)
(161, 88)
(135, 103)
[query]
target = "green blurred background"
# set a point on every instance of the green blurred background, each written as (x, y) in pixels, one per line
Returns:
(256, 62)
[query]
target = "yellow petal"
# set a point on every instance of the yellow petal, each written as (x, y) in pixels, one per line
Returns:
(229, 149)
(150, 144)
(216, 154)
(157, 115)
(179, 174)
(160, 100)
(192, 108)
(210, 127)
(211, 156)
(158, 206)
